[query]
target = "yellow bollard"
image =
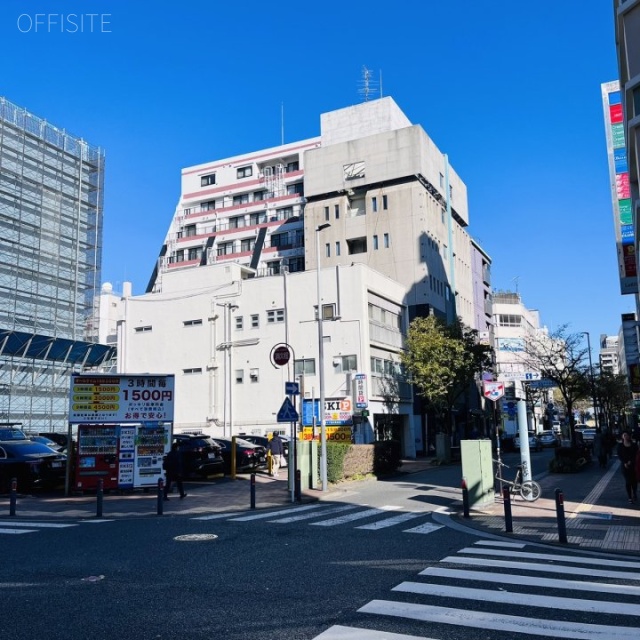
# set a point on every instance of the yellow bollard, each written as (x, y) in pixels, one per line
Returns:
(269, 463)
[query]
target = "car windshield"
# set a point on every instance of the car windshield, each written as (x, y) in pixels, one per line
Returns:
(11, 433)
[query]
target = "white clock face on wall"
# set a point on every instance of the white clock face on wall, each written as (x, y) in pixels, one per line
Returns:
(353, 170)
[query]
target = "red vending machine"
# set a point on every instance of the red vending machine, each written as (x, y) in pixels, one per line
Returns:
(97, 457)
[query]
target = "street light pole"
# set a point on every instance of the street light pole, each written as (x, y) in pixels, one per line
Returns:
(593, 386)
(323, 427)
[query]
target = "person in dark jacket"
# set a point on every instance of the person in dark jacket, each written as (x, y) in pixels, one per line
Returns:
(277, 449)
(173, 467)
(627, 453)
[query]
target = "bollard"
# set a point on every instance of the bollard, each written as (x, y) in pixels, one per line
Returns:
(99, 498)
(253, 490)
(562, 525)
(160, 499)
(13, 496)
(298, 486)
(508, 520)
(465, 498)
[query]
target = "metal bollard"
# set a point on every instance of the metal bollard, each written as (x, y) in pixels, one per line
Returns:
(465, 498)
(508, 520)
(253, 490)
(562, 525)
(13, 495)
(160, 498)
(298, 486)
(99, 498)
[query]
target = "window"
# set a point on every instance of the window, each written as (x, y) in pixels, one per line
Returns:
(357, 245)
(143, 329)
(306, 366)
(295, 189)
(374, 204)
(255, 321)
(195, 253)
(337, 248)
(225, 248)
(257, 218)
(180, 255)
(244, 172)
(336, 210)
(293, 166)
(385, 203)
(258, 195)
(248, 244)
(236, 223)
(254, 375)
(192, 371)
(239, 375)
(279, 240)
(243, 198)
(239, 323)
(296, 264)
(273, 268)
(192, 323)
(345, 363)
(190, 230)
(205, 181)
(275, 315)
(326, 213)
(327, 250)
(375, 243)
(208, 206)
(386, 240)
(441, 181)
(285, 213)
(509, 320)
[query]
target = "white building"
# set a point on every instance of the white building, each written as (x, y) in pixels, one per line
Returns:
(215, 328)
(609, 358)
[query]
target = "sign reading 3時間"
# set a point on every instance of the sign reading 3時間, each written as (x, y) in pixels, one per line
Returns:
(121, 399)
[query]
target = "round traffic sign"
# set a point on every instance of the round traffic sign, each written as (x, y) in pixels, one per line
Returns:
(281, 356)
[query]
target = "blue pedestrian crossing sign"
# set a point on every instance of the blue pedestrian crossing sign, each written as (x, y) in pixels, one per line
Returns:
(287, 412)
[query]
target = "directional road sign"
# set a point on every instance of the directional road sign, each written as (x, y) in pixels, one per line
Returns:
(519, 375)
(287, 412)
(292, 388)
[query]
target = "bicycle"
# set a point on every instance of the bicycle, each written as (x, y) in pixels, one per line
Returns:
(530, 490)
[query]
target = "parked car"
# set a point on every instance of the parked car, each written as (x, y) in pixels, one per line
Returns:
(263, 441)
(549, 439)
(249, 456)
(33, 465)
(534, 442)
(47, 442)
(201, 455)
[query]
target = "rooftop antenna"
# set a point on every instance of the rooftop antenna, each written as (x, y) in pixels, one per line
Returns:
(516, 280)
(367, 88)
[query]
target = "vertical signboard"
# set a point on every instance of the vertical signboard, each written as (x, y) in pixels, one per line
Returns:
(620, 189)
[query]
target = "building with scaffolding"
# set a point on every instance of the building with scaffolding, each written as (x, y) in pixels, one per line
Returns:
(51, 200)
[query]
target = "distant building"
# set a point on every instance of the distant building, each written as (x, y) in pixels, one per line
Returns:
(51, 194)
(609, 354)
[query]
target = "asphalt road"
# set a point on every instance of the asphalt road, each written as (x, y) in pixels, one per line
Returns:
(372, 564)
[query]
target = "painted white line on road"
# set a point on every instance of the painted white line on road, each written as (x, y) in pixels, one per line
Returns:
(218, 516)
(338, 632)
(532, 566)
(270, 514)
(97, 520)
(499, 543)
(40, 525)
(17, 531)
(519, 599)
(500, 622)
(367, 513)
(605, 562)
(390, 522)
(427, 527)
(315, 514)
(531, 581)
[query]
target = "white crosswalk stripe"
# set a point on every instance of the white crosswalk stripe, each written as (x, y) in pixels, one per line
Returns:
(583, 597)
(15, 527)
(383, 517)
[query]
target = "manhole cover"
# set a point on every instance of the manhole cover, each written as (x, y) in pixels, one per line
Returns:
(196, 537)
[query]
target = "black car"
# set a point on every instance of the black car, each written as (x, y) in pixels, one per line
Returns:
(263, 441)
(201, 456)
(249, 456)
(33, 465)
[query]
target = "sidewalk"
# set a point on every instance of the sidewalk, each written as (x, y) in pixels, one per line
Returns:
(597, 514)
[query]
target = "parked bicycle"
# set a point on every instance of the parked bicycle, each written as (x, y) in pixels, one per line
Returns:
(530, 490)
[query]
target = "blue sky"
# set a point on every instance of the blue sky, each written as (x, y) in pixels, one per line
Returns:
(510, 91)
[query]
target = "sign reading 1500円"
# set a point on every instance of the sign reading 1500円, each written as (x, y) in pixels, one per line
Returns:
(116, 398)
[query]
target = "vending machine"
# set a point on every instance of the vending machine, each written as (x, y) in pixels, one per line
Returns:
(97, 457)
(152, 442)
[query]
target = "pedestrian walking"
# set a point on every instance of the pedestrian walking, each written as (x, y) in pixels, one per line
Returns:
(627, 454)
(277, 449)
(172, 465)
(599, 448)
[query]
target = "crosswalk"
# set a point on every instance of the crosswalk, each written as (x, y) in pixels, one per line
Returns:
(16, 527)
(331, 515)
(582, 597)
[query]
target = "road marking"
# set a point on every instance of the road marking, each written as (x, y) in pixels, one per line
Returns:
(367, 513)
(339, 632)
(519, 599)
(499, 622)
(217, 516)
(258, 516)
(427, 527)
(532, 566)
(551, 583)
(16, 531)
(390, 522)
(554, 558)
(40, 525)
(315, 514)
(499, 543)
